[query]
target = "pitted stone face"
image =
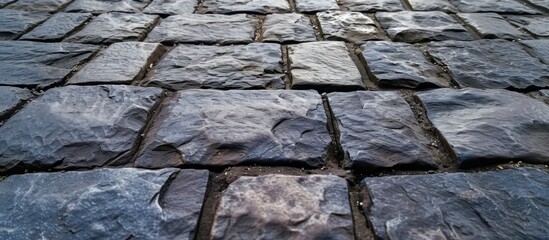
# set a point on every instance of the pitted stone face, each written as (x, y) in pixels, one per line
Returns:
(371, 5)
(50, 6)
(492, 25)
(245, 6)
(348, 26)
(536, 25)
(311, 6)
(13, 23)
(57, 27)
(432, 5)
(497, 6)
(539, 48)
(171, 7)
(11, 98)
(287, 27)
(102, 6)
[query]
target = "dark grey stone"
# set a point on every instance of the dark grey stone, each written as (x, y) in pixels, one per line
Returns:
(221, 128)
(509, 204)
(287, 27)
(252, 66)
(103, 6)
(371, 5)
(432, 5)
(490, 64)
(58, 27)
(352, 27)
(204, 28)
(13, 23)
(540, 3)
(539, 48)
(115, 27)
(77, 126)
(50, 6)
(245, 6)
(535, 25)
(6, 2)
(498, 6)
(103, 204)
(171, 7)
(542, 95)
(492, 25)
(121, 62)
(12, 98)
(309, 6)
(400, 65)
(284, 207)
(323, 66)
(490, 126)
(416, 27)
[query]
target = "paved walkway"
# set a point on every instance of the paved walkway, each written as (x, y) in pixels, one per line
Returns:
(274, 119)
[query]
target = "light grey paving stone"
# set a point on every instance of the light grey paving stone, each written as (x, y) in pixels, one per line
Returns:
(536, 25)
(538, 48)
(400, 65)
(379, 130)
(542, 95)
(323, 66)
(114, 27)
(103, 204)
(77, 126)
(287, 27)
(371, 5)
(13, 23)
(490, 126)
(413, 27)
(224, 128)
(432, 5)
(204, 28)
(309, 6)
(11, 98)
(284, 207)
(171, 7)
(245, 6)
(352, 27)
(540, 3)
(492, 25)
(57, 27)
(50, 6)
(252, 66)
(102, 6)
(497, 6)
(507, 204)
(490, 64)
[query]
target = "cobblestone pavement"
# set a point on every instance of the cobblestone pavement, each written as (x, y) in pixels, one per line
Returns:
(274, 119)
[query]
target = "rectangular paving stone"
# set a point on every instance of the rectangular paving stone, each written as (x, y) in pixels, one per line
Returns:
(324, 66)
(352, 27)
(58, 27)
(13, 23)
(497, 6)
(224, 128)
(309, 6)
(287, 28)
(284, 207)
(103, 204)
(379, 130)
(536, 25)
(371, 5)
(114, 27)
(490, 64)
(245, 6)
(120, 63)
(204, 28)
(50, 6)
(171, 7)
(252, 66)
(11, 98)
(539, 48)
(432, 5)
(413, 27)
(396, 64)
(102, 6)
(77, 126)
(505, 204)
(490, 126)
(492, 25)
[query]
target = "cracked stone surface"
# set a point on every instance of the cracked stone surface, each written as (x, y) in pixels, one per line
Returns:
(11, 98)
(312, 67)
(102, 6)
(539, 48)
(280, 206)
(348, 26)
(50, 6)
(13, 23)
(542, 95)
(489, 205)
(490, 126)
(490, 64)
(432, 5)
(378, 130)
(372, 5)
(171, 7)
(246, 6)
(204, 28)
(492, 25)
(252, 66)
(103, 203)
(287, 27)
(497, 6)
(57, 27)
(540, 3)
(6, 2)
(309, 6)
(535, 25)
(219, 128)
(77, 126)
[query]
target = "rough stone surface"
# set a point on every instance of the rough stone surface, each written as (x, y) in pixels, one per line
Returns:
(539, 48)
(432, 5)
(102, 6)
(77, 126)
(57, 27)
(39, 5)
(508, 204)
(6, 2)
(490, 64)
(13, 23)
(400, 65)
(102, 204)
(284, 207)
(323, 66)
(535, 25)
(246, 6)
(542, 95)
(11, 98)
(32, 64)
(492, 25)
(220, 128)
(378, 130)
(171, 7)
(122, 62)
(115, 27)
(371, 5)
(307, 6)
(540, 3)
(486, 126)
(287, 27)
(498, 6)
(201, 28)
(348, 26)
(415, 27)
(252, 66)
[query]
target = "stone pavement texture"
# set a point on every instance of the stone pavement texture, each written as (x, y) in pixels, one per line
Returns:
(274, 119)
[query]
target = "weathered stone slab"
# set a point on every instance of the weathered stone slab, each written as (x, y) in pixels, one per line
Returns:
(12, 98)
(57, 27)
(77, 126)
(6, 2)
(103, 204)
(323, 66)
(372, 5)
(31, 64)
(102, 6)
(540, 3)
(535, 25)
(115, 27)
(492, 25)
(400, 65)
(416, 27)
(542, 95)
(490, 64)
(121, 62)
(221, 128)
(287, 27)
(487, 126)
(538, 48)
(352, 27)
(497, 6)
(309, 6)
(432, 5)
(252, 66)
(13, 23)
(489, 205)
(50, 6)
(284, 207)
(245, 6)
(204, 28)
(171, 7)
